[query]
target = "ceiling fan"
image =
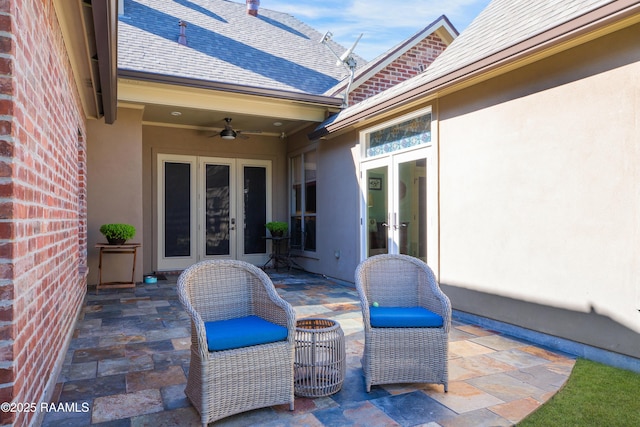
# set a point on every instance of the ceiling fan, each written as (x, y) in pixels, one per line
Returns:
(228, 132)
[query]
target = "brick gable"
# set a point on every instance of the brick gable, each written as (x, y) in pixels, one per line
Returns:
(408, 65)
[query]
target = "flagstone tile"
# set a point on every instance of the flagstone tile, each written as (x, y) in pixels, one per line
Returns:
(184, 417)
(173, 397)
(463, 397)
(139, 349)
(516, 410)
(94, 354)
(506, 387)
(168, 334)
(100, 386)
(181, 343)
(479, 418)
(498, 342)
(124, 365)
(142, 380)
(117, 339)
(176, 357)
(475, 330)
(126, 405)
(544, 353)
(412, 408)
(541, 377)
(467, 349)
(82, 371)
(518, 358)
(463, 368)
(348, 415)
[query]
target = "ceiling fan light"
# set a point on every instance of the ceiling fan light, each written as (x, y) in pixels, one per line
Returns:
(228, 134)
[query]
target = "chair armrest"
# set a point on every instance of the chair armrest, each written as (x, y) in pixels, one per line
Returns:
(198, 332)
(437, 302)
(269, 305)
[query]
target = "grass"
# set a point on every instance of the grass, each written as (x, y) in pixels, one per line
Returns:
(594, 395)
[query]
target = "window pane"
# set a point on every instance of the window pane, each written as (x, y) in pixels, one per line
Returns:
(217, 210)
(310, 166)
(296, 182)
(296, 232)
(407, 134)
(310, 233)
(177, 209)
(310, 197)
(255, 209)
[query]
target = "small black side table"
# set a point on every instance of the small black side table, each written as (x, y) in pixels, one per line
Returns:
(279, 252)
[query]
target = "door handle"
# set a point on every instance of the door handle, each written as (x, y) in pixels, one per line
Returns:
(233, 224)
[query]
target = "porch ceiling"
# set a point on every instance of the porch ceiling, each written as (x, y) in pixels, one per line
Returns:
(203, 106)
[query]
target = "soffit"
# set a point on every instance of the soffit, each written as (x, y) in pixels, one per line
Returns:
(89, 33)
(206, 109)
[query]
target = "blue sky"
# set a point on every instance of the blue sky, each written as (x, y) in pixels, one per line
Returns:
(385, 23)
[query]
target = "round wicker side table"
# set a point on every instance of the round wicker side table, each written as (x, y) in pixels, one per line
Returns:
(319, 367)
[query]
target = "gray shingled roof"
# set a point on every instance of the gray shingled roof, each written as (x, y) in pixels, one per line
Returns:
(502, 24)
(224, 44)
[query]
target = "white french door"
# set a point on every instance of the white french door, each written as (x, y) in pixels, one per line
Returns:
(399, 205)
(211, 208)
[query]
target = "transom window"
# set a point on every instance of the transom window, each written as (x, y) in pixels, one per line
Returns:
(407, 134)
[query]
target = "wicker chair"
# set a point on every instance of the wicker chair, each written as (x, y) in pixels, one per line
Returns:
(403, 354)
(230, 381)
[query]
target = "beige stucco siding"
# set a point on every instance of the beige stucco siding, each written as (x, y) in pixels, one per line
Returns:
(114, 180)
(539, 186)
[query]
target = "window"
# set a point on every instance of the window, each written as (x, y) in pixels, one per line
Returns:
(407, 134)
(303, 201)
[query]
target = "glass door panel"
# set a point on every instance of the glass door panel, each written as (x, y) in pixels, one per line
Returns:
(377, 210)
(177, 209)
(412, 208)
(255, 209)
(218, 218)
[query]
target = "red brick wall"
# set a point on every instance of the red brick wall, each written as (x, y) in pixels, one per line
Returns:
(42, 207)
(410, 64)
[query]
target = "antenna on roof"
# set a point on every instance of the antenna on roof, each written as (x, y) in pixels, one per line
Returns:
(346, 59)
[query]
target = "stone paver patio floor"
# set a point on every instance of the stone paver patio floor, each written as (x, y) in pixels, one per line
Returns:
(128, 360)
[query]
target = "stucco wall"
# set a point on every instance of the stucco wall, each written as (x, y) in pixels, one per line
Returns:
(539, 185)
(114, 159)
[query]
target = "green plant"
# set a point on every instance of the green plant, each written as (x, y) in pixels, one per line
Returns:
(277, 227)
(118, 231)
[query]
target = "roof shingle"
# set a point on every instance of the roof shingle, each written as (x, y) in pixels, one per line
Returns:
(224, 44)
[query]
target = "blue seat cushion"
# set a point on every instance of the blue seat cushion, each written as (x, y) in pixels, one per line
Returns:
(404, 317)
(242, 332)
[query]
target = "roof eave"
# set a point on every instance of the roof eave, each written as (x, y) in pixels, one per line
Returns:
(105, 21)
(596, 23)
(329, 101)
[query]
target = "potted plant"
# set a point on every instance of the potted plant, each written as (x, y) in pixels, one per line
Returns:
(277, 228)
(117, 234)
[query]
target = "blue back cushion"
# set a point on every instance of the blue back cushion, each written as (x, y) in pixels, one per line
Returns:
(242, 332)
(404, 317)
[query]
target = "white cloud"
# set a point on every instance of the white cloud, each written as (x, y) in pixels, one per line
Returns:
(384, 23)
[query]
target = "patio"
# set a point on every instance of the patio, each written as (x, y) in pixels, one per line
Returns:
(130, 352)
